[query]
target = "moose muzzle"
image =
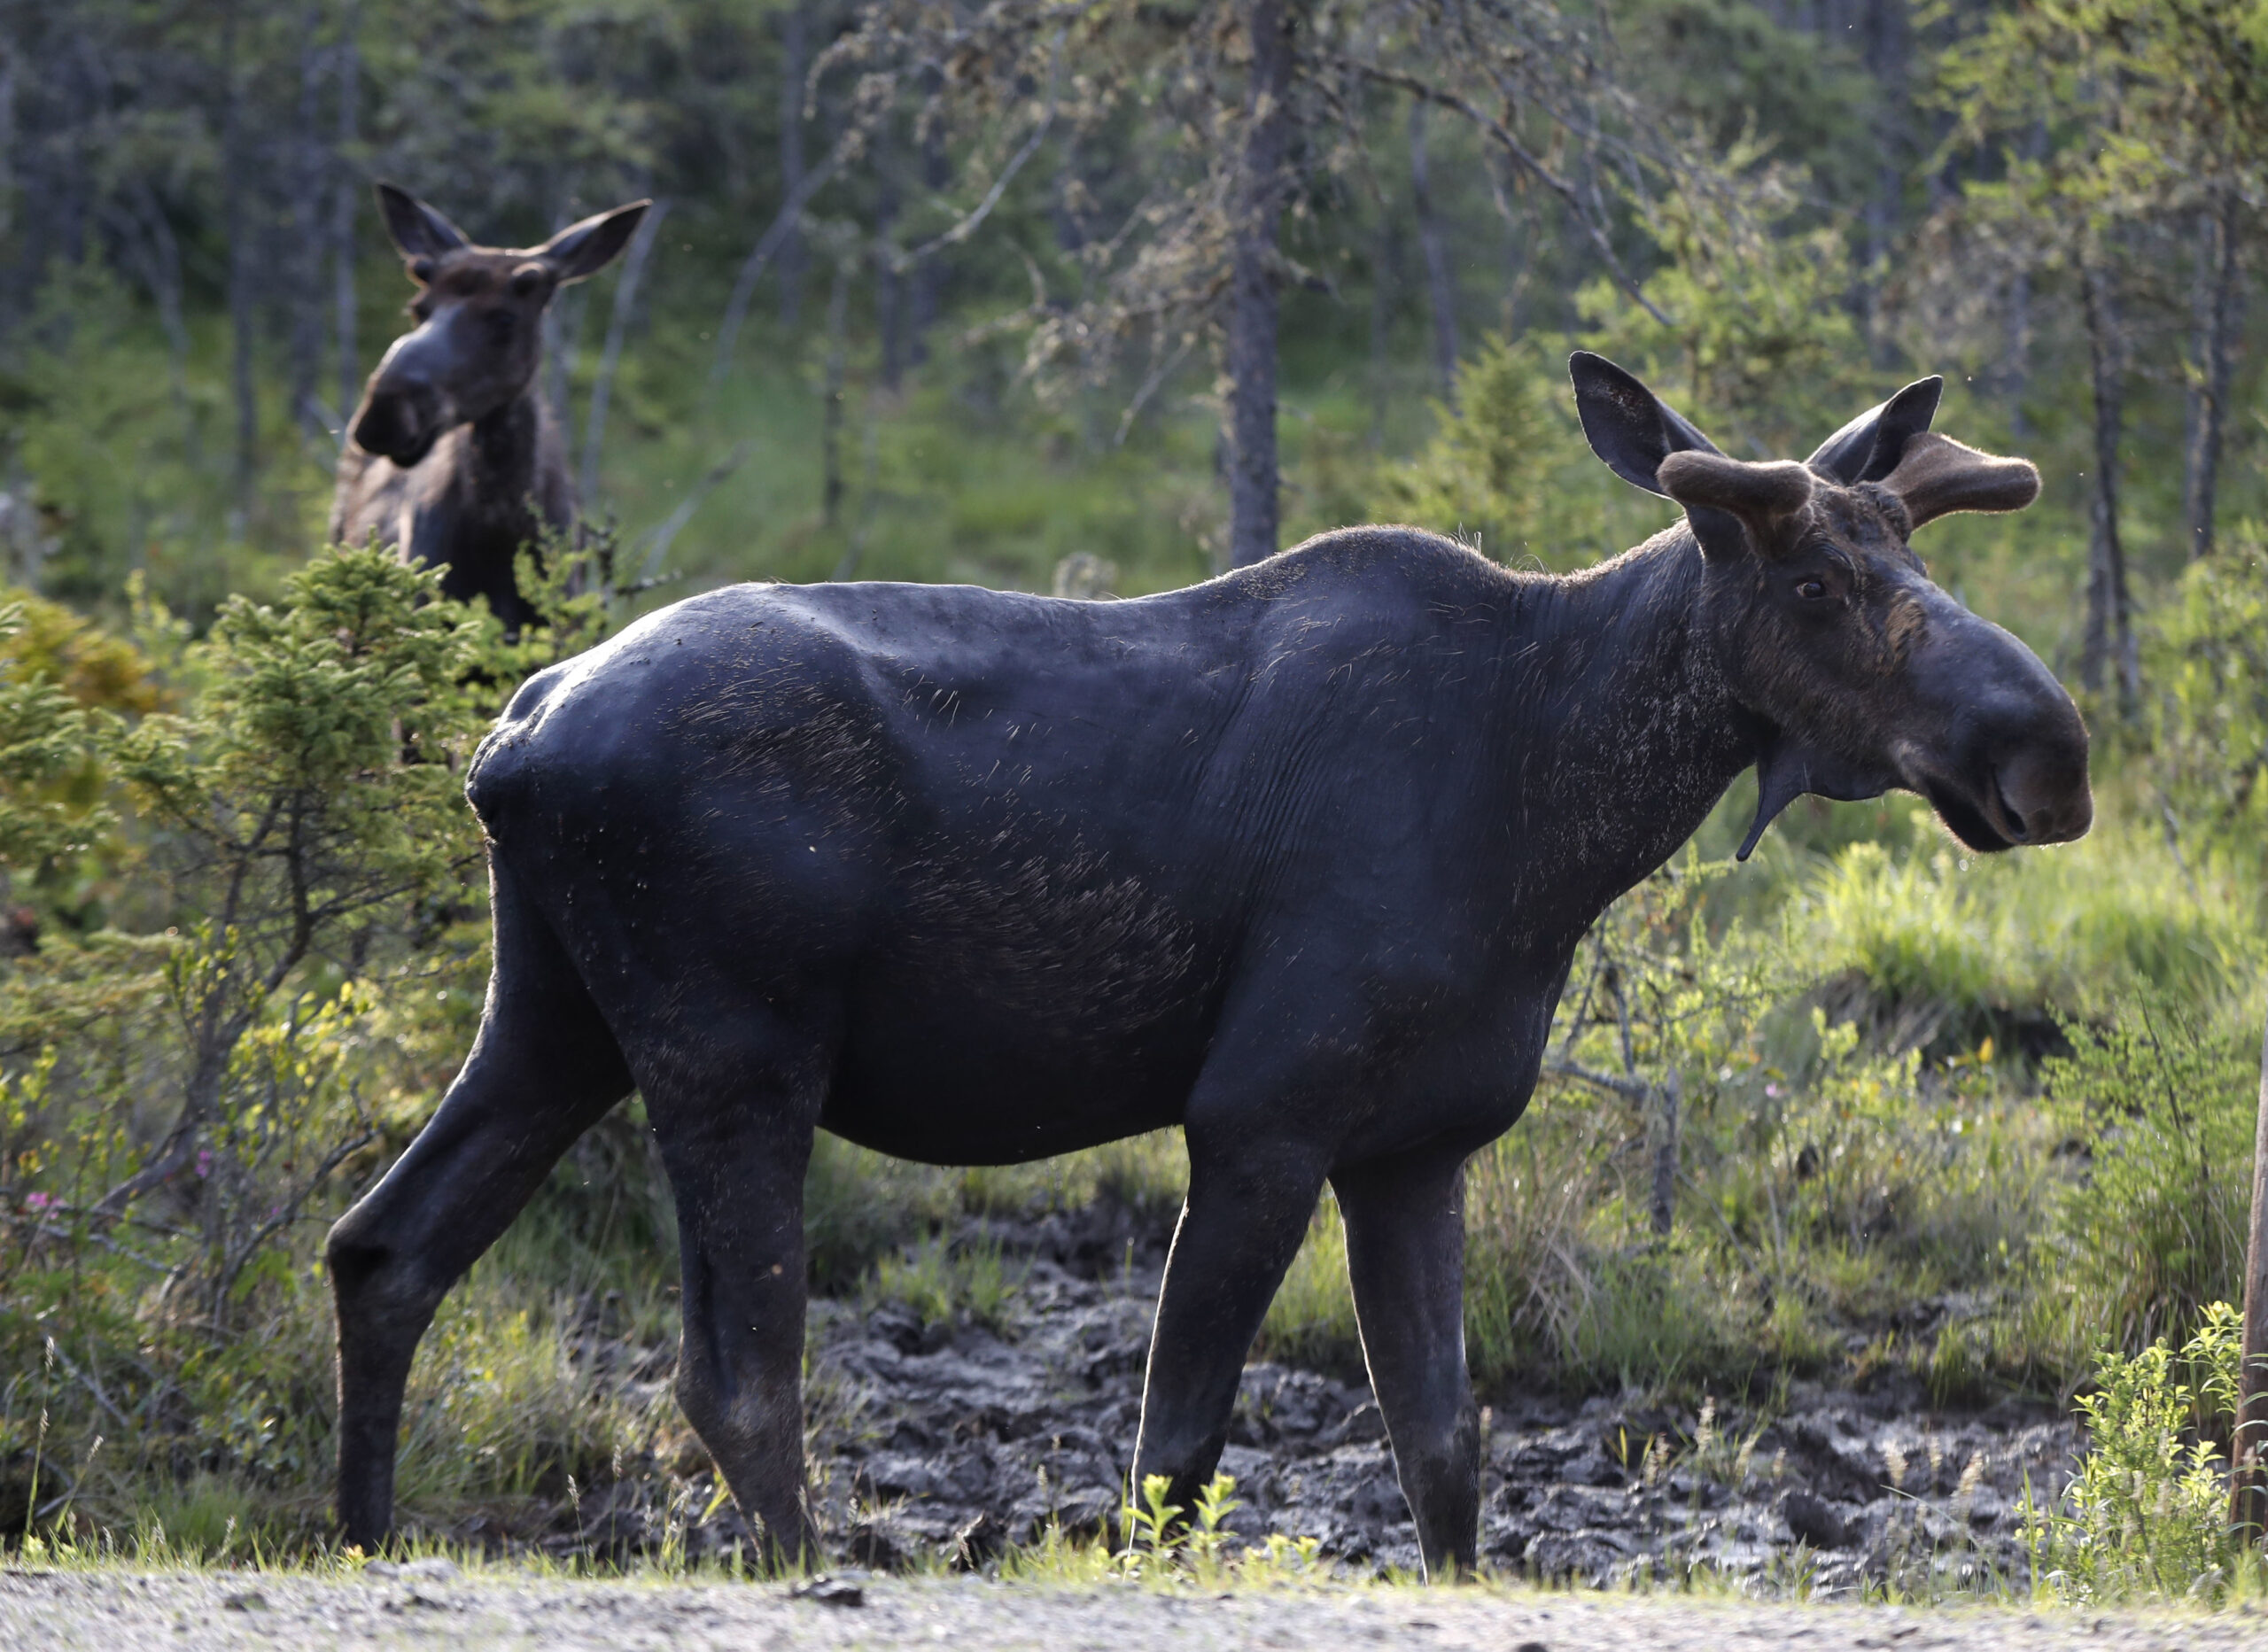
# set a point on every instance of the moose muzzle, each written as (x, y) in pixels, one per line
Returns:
(2007, 763)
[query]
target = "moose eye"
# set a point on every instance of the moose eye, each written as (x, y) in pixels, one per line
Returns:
(1810, 590)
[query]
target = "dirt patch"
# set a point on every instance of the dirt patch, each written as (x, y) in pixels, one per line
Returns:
(952, 1440)
(115, 1612)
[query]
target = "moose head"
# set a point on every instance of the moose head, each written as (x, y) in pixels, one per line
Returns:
(479, 313)
(1863, 675)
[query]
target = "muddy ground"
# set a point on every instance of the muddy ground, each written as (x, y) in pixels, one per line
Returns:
(950, 1440)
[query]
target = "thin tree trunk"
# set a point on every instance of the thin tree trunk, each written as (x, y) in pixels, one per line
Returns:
(890, 286)
(617, 327)
(830, 418)
(159, 254)
(1253, 302)
(2249, 1446)
(1885, 36)
(2218, 323)
(1441, 279)
(307, 232)
(342, 224)
(1382, 324)
(235, 168)
(2015, 370)
(795, 62)
(929, 269)
(1662, 1207)
(2109, 630)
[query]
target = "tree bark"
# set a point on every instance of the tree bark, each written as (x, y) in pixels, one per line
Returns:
(1441, 279)
(236, 166)
(890, 286)
(2109, 644)
(2247, 1482)
(1886, 58)
(1253, 302)
(830, 414)
(307, 232)
(1381, 324)
(928, 281)
(794, 65)
(1662, 1206)
(342, 223)
(2219, 321)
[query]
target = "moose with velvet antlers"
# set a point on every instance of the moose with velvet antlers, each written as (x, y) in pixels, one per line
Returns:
(1297, 859)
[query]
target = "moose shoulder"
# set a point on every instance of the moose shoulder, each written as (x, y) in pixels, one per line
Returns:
(1297, 859)
(452, 456)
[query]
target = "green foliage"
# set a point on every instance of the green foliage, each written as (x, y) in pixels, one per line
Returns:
(1506, 469)
(2207, 665)
(1759, 342)
(2146, 1518)
(945, 1284)
(1956, 947)
(2165, 1096)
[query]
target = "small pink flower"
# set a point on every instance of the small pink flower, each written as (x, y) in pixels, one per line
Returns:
(204, 1161)
(1772, 1090)
(41, 1201)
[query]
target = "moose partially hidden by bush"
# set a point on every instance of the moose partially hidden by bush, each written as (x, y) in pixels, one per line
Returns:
(1296, 859)
(453, 455)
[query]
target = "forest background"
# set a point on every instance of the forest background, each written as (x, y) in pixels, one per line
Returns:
(1096, 298)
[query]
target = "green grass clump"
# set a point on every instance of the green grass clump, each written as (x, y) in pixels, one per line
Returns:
(2165, 1098)
(945, 1284)
(1954, 947)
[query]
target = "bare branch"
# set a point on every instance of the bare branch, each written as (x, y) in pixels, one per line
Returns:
(1526, 157)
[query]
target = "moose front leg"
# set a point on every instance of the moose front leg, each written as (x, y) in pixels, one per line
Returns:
(1405, 1254)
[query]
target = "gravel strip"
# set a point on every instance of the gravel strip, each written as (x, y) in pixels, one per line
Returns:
(115, 1611)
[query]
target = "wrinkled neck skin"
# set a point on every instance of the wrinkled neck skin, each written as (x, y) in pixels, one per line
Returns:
(1621, 731)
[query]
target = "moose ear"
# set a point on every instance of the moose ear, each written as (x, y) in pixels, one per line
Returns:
(416, 229)
(1627, 425)
(1755, 496)
(1938, 476)
(1868, 448)
(585, 248)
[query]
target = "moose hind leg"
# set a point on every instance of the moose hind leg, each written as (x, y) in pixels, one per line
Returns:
(1405, 1256)
(737, 1137)
(542, 1071)
(1247, 1213)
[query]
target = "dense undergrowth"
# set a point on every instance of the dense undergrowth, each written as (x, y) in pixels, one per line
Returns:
(1954, 1123)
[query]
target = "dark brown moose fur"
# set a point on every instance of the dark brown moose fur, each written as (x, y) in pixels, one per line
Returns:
(452, 456)
(1296, 859)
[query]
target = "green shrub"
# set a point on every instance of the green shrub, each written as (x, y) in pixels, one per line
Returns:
(2155, 1230)
(2208, 667)
(2146, 1517)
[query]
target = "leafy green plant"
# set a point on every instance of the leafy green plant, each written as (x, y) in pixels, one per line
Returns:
(2153, 1232)
(2208, 660)
(2146, 1517)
